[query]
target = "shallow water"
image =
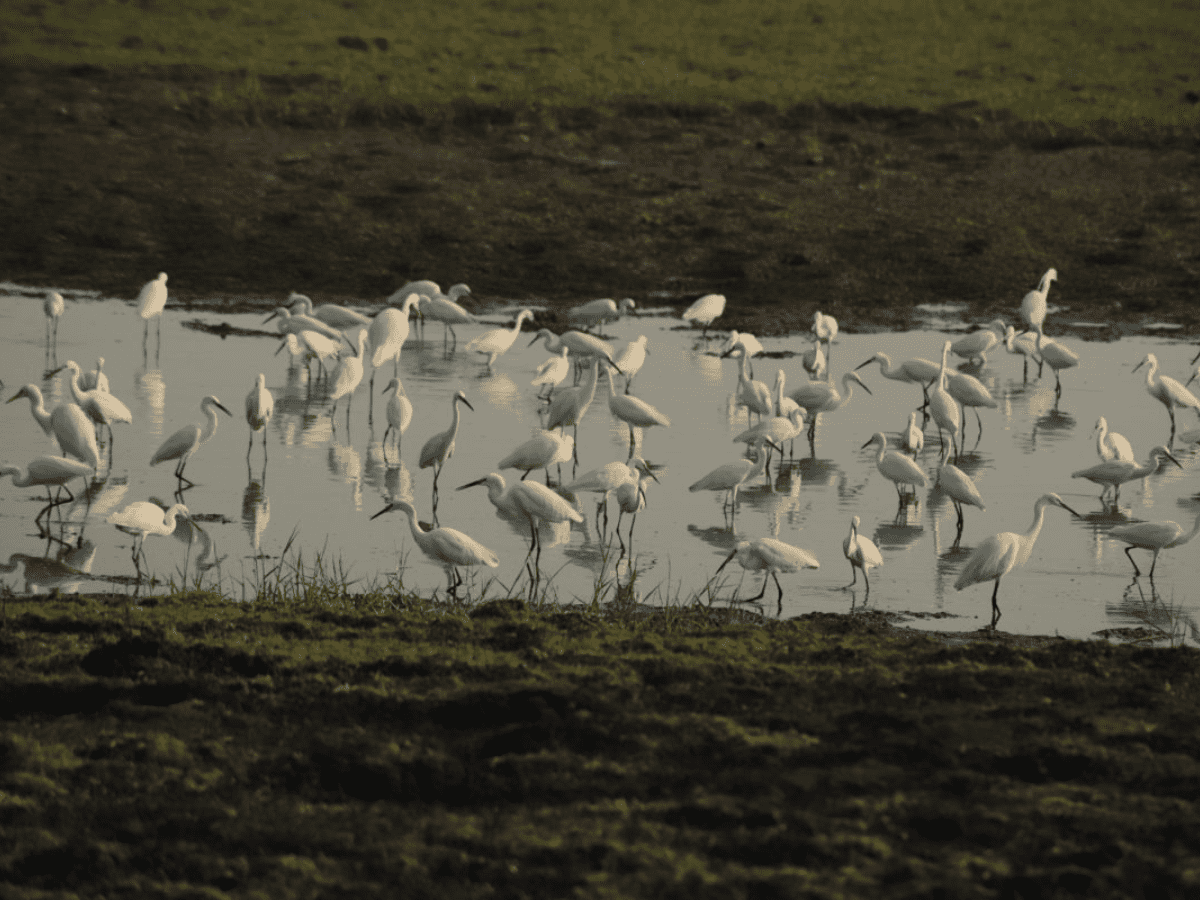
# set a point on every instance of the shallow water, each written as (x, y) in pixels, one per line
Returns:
(324, 480)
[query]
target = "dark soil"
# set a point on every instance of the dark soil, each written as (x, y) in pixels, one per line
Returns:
(194, 747)
(109, 177)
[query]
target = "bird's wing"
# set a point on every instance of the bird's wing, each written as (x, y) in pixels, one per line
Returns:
(136, 515)
(870, 553)
(723, 477)
(988, 561)
(114, 410)
(460, 550)
(1148, 534)
(50, 467)
(177, 444)
(538, 500)
(784, 557)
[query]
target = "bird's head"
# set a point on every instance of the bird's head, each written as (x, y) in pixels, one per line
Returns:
(1160, 454)
(280, 313)
(853, 376)
(855, 523)
(877, 438)
(731, 555)
(876, 358)
(543, 333)
(30, 390)
(393, 385)
(211, 400)
(463, 397)
(402, 505)
(642, 468)
(1056, 500)
(1150, 359)
(490, 480)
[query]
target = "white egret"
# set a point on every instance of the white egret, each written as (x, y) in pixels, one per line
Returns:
(822, 397)
(331, 314)
(445, 308)
(496, 342)
(349, 376)
(631, 359)
(784, 405)
(53, 307)
(102, 407)
(294, 323)
(825, 328)
(607, 479)
(914, 437)
(1167, 391)
(386, 336)
(67, 423)
(1153, 536)
(151, 301)
(957, 485)
(771, 556)
(1001, 553)
(975, 346)
(187, 440)
(633, 411)
(440, 447)
(260, 406)
(921, 372)
(1026, 346)
(423, 288)
(597, 312)
(570, 405)
(95, 380)
(1033, 306)
(896, 467)
(631, 498)
(541, 451)
(969, 391)
(1115, 473)
(48, 471)
(704, 310)
(1057, 357)
(399, 413)
(552, 372)
(582, 346)
(1110, 445)
(144, 518)
(813, 360)
(528, 500)
(748, 342)
(731, 477)
(753, 395)
(448, 547)
(862, 554)
(310, 345)
(941, 405)
(774, 430)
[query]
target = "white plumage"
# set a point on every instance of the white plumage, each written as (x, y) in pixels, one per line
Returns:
(896, 467)
(1115, 473)
(541, 451)
(496, 342)
(187, 440)
(67, 423)
(144, 518)
(1153, 536)
(448, 547)
(1166, 390)
(260, 407)
(331, 314)
(975, 346)
(732, 476)
(1110, 445)
(772, 556)
(861, 553)
(1033, 306)
(552, 372)
(704, 310)
(399, 411)
(597, 312)
(631, 359)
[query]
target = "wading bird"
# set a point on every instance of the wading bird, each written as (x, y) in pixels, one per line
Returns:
(822, 397)
(496, 342)
(53, 307)
(896, 467)
(399, 414)
(67, 423)
(1026, 345)
(387, 334)
(48, 471)
(748, 342)
(187, 440)
(1116, 472)
(1033, 306)
(597, 312)
(920, 372)
(440, 447)
(861, 553)
(1001, 553)
(957, 485)
(541, 451)
(447, 547)
(349, 376)
(1110, 445)
(530, 501)
(95, 380)
(942, 406)
(631, 498)
(1153, 536)
(606, 479)
(914, 437)
(331, 314)
(975, 346)
(102, 407)
(144, 518)
(260, 406)
(704, 310)
(570, 405)
(969, 391)
(631, 359)
(151, 301)
(753, 395)
(582, 346)
(1167, 391)
(813, 361)
(1057, 357)
(772, 556)
(445, 308)
(633, 411)
(730, 477)
(551, 373)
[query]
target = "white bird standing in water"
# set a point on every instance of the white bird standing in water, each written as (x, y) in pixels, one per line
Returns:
(1153, 536)
(570, 405)
(825, 328)
(813, 361)
(731, 477)
(399, 413)
(582, 346)
(1167, 391)
(975, 346)
(349, 376)
(48, 471)
(1056, 356)
(896, 467)
(1026, 345)
(704, 310)
(942, 406)
(541, 451)
(914, 437)
(387, 334)
(151, 301)
(772, 556)
(448, 547)
(631, 359)
(496, 343)
(822, 397)
(260, 406)
(606, 479)
(102, 407)
(187, 440)
(1110, 445)
(631, 498)
(861, 553)
(633, 411)
(1115, 473)
(552, 372)
(331, 314)
(95, 380)
(445, 308)
(528, 500)
(957, 485)
(1033, 306)
(67, 423)
(597, 312)
(440, 447)
(753, 395)
(53, 307)
(144, 518)
(1001, 553)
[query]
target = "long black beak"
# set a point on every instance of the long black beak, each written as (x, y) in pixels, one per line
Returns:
(386, 389)
(724, 564)
(472, 484)
(1072, 512)
(868, 443)
(864, 365)
(281, 346)
(1143, 362)
(224, 410)
(387, 508)
(535, 340)
(1174, 460)
(469, 406)
(270, 317)
(1193, 378)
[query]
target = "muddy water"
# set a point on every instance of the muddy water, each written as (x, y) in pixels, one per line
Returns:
(324, 478)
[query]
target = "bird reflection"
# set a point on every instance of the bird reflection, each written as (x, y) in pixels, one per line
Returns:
(64, 574)
(501, 391)
(345, 463)
(818, 472)
(256, 513)
(1142, 607)
(901, 533)
(722, 538)
(150, 397)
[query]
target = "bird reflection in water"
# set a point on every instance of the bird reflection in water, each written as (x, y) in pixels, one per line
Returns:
(150, 398)
(1149, 618)
(256, 513)
(65, 573)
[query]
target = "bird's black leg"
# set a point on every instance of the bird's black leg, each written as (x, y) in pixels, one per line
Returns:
(779, 610)
(761, 593)
(995, 606)
(853, 575)
(868, 581)
(1136, 570)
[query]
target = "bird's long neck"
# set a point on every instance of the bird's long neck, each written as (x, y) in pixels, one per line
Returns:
(590, 384)
(1101, 434)
(760, 464)
(20, 478)
(885, 365)
(1191, 534)
(516, 327)
(848, 387)
(169, 518)
(780, 380)
(1039, 516)
(413, 527)
(76, 392)
(457, 416)
(37, 405)
(210, 427)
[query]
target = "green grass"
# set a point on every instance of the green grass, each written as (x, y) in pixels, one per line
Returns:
(1071, 62)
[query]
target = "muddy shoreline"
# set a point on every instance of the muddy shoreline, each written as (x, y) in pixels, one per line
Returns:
(862, 213)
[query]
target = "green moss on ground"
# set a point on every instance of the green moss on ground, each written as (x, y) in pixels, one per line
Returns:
(192, 744)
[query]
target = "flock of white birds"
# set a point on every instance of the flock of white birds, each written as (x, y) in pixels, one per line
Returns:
(348, 341)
